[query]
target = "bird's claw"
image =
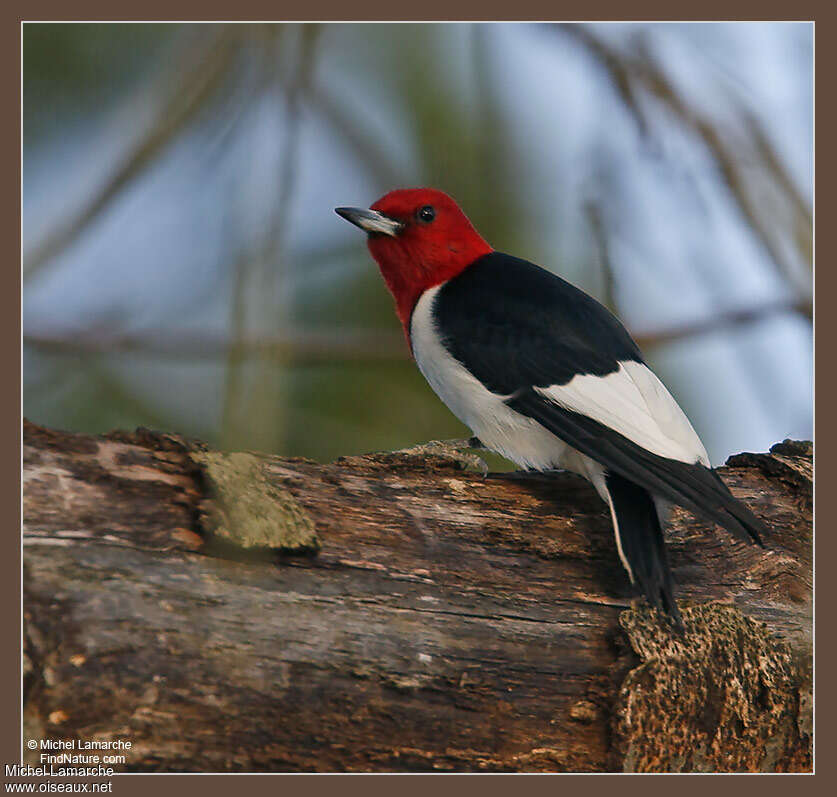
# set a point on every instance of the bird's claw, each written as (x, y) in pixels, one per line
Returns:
(456, 451)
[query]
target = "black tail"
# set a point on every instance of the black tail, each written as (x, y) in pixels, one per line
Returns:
(639, 538)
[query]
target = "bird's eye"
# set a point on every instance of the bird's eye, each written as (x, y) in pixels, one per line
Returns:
(426, 214)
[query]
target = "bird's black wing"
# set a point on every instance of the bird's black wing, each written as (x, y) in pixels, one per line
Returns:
(513, 325)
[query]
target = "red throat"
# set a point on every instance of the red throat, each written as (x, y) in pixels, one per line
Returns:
(424, 254)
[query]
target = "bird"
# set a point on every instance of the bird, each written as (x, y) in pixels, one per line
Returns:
(547, 377)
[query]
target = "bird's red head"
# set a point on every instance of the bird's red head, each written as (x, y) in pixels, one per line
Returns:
(419, 238)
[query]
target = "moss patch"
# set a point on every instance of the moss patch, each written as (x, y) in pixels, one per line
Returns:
(249, 511)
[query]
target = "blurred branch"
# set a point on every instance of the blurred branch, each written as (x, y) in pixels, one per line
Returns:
(200, 74)
(637, 73)
(303, 348)
(775, 165)
(617, 66)
(724, 322)
(804, 227)
(361, 140)
(310, 347)
(593, 212)
(254, 413)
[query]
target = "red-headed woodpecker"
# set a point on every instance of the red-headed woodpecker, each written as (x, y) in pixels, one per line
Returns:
(546, 376)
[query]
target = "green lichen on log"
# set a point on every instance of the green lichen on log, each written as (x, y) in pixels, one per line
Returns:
(248, 510)
(727, 696)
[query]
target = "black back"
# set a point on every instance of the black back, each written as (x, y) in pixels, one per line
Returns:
(513, 325)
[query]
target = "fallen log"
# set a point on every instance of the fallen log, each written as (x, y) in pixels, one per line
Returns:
(393, 612)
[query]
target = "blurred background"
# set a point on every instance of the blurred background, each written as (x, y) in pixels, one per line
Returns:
(183, 268)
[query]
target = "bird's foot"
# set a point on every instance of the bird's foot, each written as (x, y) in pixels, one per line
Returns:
(456, 451)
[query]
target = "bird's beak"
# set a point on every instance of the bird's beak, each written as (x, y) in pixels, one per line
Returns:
(371, 221)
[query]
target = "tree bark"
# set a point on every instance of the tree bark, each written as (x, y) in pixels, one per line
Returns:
(392, 612)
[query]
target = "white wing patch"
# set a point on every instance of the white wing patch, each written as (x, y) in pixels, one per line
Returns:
(635, 403)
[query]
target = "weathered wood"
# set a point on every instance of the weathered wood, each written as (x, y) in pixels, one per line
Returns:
(448, 622)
